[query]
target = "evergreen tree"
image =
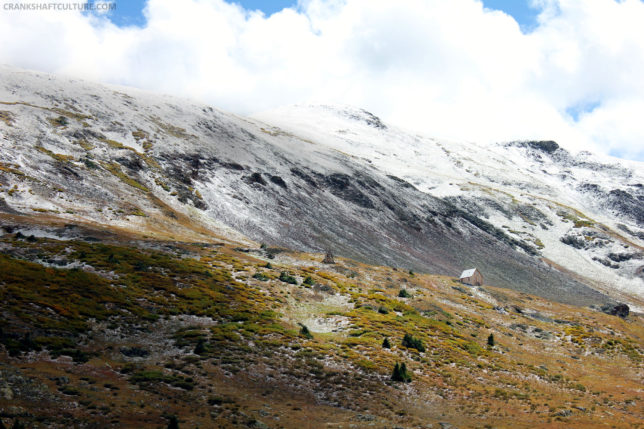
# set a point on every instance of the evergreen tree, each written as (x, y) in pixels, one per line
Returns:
(413, 343)
(386, 344)
(404, 294)
(490, 340)
(395, 375)
(174, 423)
(400, 373)
(304, 331)
(403, 370)
(200, 348)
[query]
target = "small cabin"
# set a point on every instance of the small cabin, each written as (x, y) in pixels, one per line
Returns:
(472, 277)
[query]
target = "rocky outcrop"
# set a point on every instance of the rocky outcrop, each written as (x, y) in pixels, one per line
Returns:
(619, 310)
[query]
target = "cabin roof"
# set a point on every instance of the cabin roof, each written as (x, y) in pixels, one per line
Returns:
(468, 273)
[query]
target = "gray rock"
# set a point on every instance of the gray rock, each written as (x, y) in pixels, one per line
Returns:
(6, 393)
(620, 310)
(365, 417)
(258, 424)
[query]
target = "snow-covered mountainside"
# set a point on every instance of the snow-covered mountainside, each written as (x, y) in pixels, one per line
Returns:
(531, 216)
(583, 212)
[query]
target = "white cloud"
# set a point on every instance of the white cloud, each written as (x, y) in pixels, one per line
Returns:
(451, 69)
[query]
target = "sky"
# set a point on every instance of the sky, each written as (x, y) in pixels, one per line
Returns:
(469, 70)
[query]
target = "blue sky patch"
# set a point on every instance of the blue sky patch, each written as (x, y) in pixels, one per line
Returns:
(582, 108)
(521, 10)
(268, 7)
(130, 12)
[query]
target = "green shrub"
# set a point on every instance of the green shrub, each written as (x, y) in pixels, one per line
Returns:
(261, 277)
(215, 400)
(304, 331)
(404, 294)
(308, 281)
(287, 278)
(16, 344)
(18, 425)
(90, 164)
(147, 378)
(60, 121)
(77, 356)
(69, 390)
(413, 343)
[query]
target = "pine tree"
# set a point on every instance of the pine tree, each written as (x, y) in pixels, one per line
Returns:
(200, 348)
(386, 344)
(304, 331)
(400, 373)
(413, 343)
(404, 294)
(490, 340)
(403, 370)
(395, 375)
(174, 423)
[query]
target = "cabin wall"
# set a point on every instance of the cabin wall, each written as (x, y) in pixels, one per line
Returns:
(477, 279)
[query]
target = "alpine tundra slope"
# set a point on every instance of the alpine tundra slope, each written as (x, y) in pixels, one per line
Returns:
(161, 265)
(530, 215)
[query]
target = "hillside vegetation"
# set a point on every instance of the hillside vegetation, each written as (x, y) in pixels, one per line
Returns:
(127, 331)
(161, 266)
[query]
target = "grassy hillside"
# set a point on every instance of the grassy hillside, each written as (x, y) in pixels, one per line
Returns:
(125, 331)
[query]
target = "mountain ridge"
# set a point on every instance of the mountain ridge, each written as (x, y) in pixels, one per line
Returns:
(154, 155)
(162, 264)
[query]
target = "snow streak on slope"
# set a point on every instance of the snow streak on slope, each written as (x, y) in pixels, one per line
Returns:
(322, 177)
(585, 212)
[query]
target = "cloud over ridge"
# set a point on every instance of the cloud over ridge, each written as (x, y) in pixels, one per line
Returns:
(450, 69)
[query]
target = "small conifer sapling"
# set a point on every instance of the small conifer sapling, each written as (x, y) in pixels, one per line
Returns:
(490, 340)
